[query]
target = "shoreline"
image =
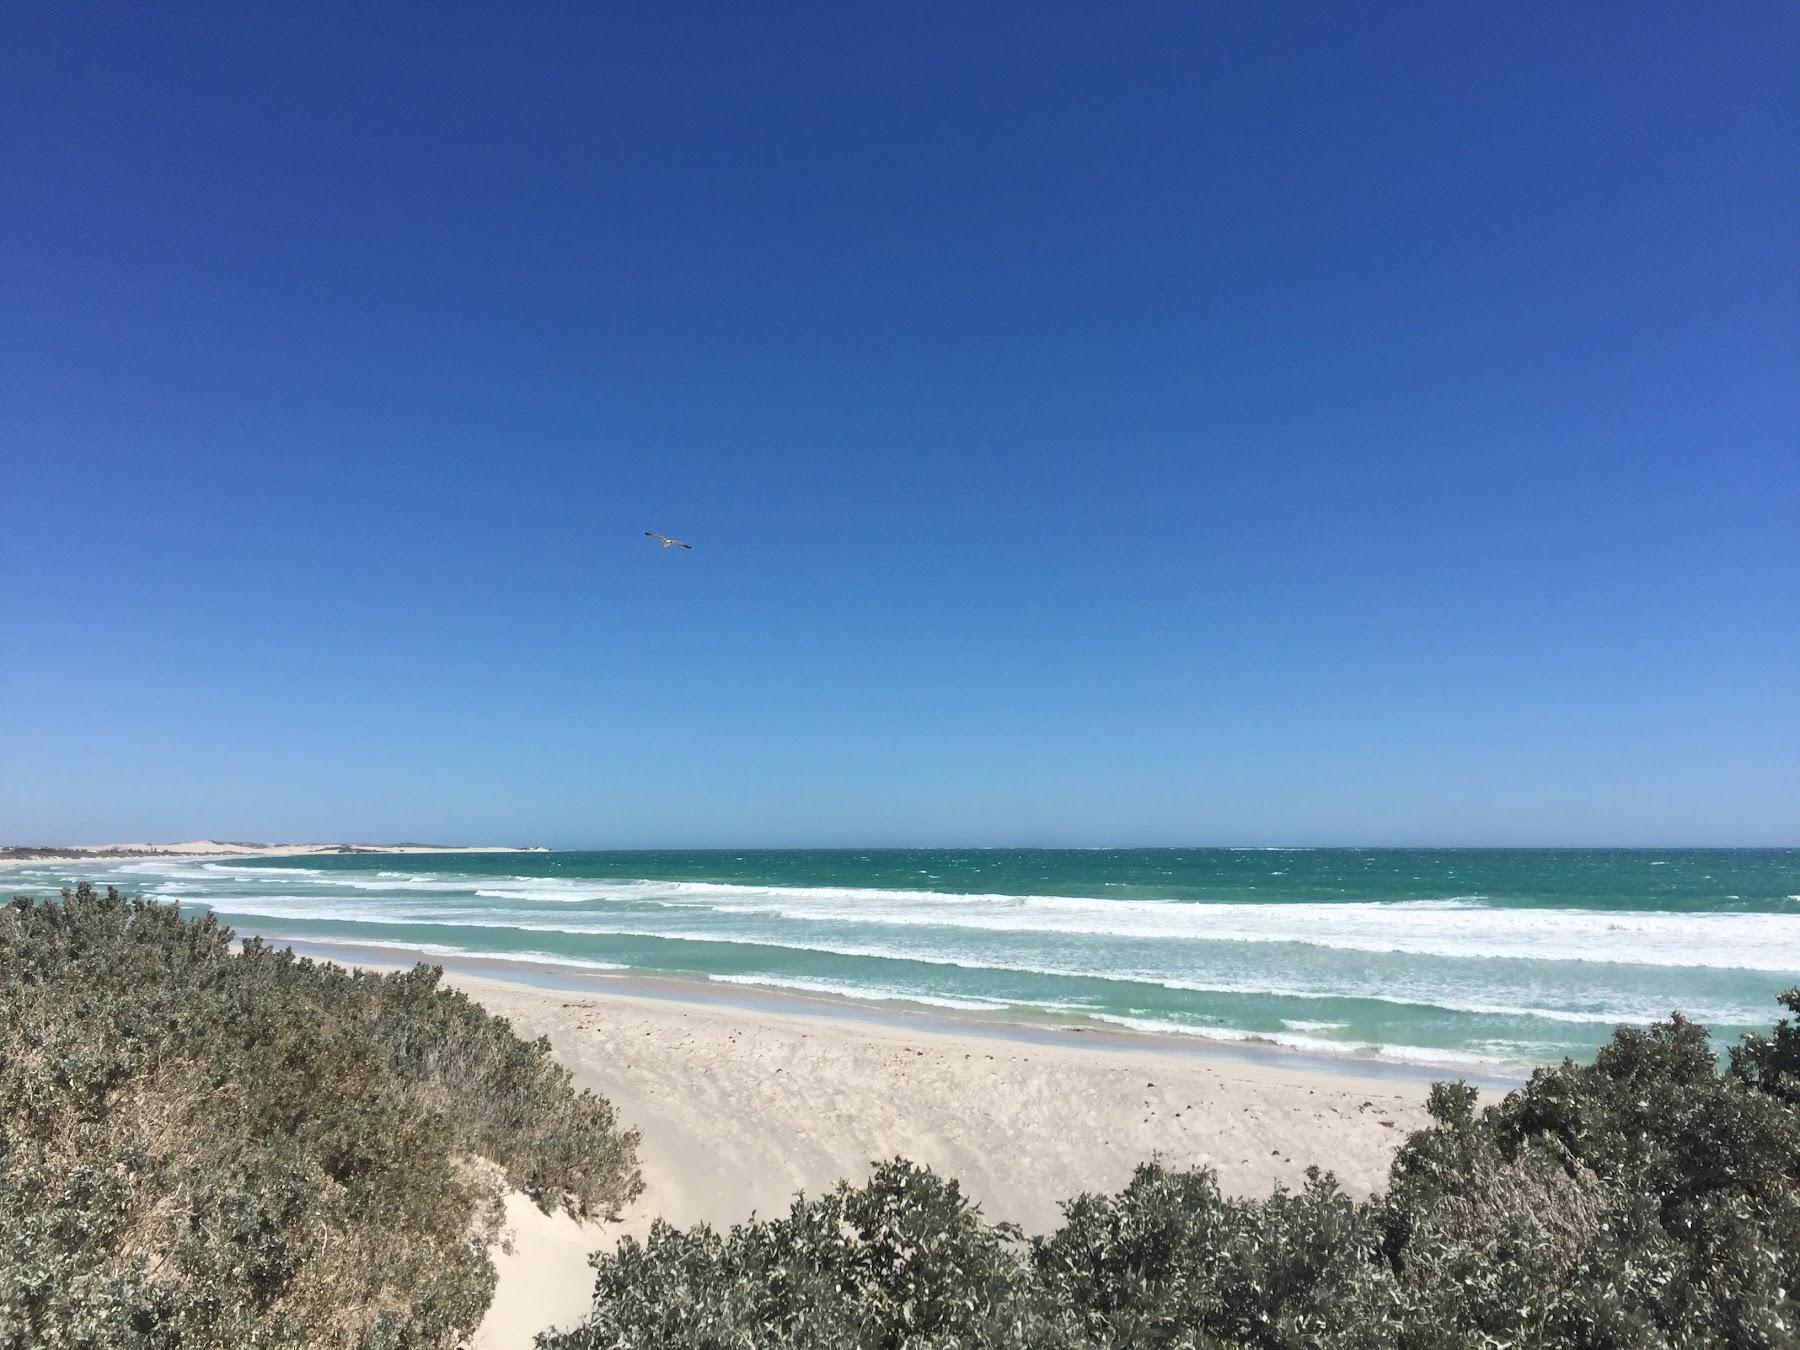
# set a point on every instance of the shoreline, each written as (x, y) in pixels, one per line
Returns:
(891, 1014)
(1379, 1052)
(741, 1104)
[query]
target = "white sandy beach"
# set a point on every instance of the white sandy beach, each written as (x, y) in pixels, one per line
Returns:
(739, 1108)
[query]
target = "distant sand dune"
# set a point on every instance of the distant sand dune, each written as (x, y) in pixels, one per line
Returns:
(215, 848)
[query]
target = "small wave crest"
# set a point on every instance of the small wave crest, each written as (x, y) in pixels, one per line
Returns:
(1422, 1055)
(869, 993)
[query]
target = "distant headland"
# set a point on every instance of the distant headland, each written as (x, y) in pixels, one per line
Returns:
(215, 848)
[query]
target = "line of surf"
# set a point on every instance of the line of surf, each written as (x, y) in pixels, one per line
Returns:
(1450, 929)
(1610, 1016)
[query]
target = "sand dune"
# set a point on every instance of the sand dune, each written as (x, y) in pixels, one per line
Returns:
(740, 1108)
(213, 848)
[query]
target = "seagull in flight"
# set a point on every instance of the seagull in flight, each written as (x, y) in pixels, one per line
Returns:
(664, 540)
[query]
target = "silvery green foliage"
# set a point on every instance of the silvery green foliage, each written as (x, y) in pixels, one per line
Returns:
(1645, 1200)
(205, 1148)
(904, 1258)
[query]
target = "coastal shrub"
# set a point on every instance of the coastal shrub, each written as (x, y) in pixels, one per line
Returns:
(1172, 1261)
(1648, 1199)
(903, 1259)
(205, 1147)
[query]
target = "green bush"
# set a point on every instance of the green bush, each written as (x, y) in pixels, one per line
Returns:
(906, 1253)
(202, 1147)
(1645, 1200)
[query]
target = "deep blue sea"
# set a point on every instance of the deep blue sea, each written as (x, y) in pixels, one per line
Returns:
(1493, 959)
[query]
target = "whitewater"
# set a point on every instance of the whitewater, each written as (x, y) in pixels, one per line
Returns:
(1493, 958)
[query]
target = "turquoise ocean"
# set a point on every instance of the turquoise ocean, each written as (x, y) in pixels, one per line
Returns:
(1490, 959)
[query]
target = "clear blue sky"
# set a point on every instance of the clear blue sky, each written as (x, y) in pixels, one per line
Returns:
(1096, 424)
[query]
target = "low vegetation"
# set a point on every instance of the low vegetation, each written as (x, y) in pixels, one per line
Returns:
(1650, 1199)
(201, 1146)
(206, 1147)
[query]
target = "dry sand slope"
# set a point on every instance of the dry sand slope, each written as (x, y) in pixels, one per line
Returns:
(740, 1108)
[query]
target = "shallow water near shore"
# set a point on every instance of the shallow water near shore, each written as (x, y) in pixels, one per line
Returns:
(1015, 1027)
(1487, 960)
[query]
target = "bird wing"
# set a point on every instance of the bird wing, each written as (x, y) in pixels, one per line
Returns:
(652, 534)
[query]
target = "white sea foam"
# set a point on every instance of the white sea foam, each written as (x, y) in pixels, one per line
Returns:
(1382, 990)
(471, 953)
(1458, 927)
(226, 870)
(1424, 1055)
(869, 993)
(1271, 950)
